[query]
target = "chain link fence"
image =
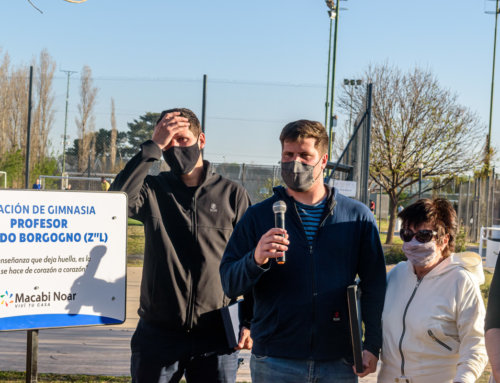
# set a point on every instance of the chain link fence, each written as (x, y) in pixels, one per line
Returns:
(478, 204)
(476, 200)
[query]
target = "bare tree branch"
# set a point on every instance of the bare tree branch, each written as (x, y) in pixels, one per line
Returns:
(415, 120)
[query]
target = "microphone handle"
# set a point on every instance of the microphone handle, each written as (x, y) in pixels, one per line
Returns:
(279, 221)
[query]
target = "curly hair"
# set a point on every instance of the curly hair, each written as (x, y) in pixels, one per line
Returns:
(439, 213)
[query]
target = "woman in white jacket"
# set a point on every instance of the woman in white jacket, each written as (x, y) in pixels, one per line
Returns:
(433, 315)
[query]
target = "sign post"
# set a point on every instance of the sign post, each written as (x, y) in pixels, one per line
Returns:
(62, 259)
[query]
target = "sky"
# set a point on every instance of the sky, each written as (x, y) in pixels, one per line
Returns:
(265, 60)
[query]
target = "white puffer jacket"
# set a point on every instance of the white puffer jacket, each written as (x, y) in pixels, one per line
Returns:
(433, 329)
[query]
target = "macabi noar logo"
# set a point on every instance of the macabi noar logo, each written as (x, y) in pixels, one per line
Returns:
(41, 299)
(6, 299)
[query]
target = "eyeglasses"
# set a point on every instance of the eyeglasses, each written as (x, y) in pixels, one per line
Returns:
(422, 236)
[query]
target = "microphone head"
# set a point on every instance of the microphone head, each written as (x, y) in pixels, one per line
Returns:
(279, 207)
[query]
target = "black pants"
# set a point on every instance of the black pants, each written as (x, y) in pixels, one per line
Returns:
(160, 356)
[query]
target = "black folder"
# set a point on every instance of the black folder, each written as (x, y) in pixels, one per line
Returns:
(354, 304)
(230, 317)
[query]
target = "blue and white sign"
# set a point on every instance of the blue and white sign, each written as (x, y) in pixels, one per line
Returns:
(62, 258)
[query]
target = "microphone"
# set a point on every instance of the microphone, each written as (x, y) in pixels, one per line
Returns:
(279, 209)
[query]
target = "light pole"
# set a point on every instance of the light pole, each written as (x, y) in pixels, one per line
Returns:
(332, 14)
(329, 117)
(420, 166)
(69, 73)
(352, 83)
(488, 138)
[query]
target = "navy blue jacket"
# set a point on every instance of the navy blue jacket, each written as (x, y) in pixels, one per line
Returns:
(300, 308)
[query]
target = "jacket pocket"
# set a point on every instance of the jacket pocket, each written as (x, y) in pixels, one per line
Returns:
(438, 341)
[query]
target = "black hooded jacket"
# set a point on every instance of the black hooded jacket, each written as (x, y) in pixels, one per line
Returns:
(185, 236)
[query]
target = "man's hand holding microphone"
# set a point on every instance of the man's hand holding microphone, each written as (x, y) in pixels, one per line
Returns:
(274, 243)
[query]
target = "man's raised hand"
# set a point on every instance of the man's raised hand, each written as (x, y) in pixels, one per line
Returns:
(170, 125)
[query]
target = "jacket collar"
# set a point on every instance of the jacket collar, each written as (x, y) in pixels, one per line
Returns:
(208, 174)
(331, 201)
(469, 261)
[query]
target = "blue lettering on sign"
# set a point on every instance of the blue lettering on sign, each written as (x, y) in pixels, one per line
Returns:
(69, 209)
(33, 223)
(11, 237)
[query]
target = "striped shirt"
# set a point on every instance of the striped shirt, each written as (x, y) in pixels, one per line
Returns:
(311, 217)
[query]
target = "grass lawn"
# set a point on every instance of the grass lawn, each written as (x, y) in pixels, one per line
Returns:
(135, 240)
(12, 376)
(16, 377)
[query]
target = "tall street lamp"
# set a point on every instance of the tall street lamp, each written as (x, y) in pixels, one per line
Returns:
(329, 116)
(332, 15)
(420, 166)
(353, 83)
(488, 139)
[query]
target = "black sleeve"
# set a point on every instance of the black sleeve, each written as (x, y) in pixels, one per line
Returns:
(371, 271)
(238, 270)
(493, 310)
(246, 310)
(131, 178)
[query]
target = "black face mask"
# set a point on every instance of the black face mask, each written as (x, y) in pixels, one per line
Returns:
(182, 159)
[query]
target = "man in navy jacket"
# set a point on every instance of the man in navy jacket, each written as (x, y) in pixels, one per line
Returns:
(300, 326)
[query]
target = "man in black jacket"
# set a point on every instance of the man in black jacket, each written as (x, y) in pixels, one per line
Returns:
(189, 214)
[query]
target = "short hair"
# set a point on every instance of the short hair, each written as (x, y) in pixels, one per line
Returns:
(439, 213)
(301, 129)
(194, 123)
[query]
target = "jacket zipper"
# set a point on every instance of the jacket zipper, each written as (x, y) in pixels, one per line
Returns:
(311, 264)
(313, 279)
(404, 328)
(431, 334)
(311, 248)
(189, 318)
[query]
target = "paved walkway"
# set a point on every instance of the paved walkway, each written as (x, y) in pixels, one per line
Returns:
(103, 350)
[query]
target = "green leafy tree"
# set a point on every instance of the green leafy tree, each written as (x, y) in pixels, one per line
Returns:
(48, 167)
(12, 163)
(103, 146)
(140, 131)
(103, 143)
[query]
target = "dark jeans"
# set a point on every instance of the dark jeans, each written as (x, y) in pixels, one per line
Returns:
(160, 356)
(266, 369)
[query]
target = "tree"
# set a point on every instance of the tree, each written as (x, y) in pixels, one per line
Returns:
(17, 112)
(415, 121)
(86, 122)
(141, 130)
(43, 116)
(4, 102)
(14, 88)
(12, 162)
(103, 147)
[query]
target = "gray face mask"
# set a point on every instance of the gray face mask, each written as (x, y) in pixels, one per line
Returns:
(298, 176)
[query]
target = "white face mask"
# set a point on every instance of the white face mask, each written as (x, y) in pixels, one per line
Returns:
(420, 254)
